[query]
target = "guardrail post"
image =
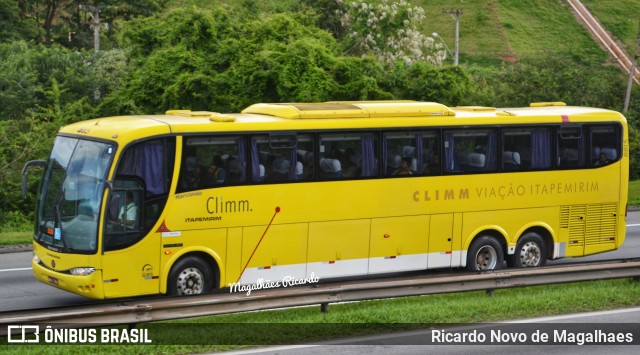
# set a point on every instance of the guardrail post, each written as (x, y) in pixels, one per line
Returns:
(324, 308)
(490, 293)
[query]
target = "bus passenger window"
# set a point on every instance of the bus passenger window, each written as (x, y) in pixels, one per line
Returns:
(281, 157)
(604, 142)
(570, 147)
(470, 150)
(526, 149)
(411, 153)
(212, 161)
(347, 156)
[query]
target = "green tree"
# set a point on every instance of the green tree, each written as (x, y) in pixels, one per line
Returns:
(12, 25)
(361, 79)
(546, 79)
(179, 65)
(19, 85)
(209, 60)
(41, 89)
(325, 15)
(422, 81)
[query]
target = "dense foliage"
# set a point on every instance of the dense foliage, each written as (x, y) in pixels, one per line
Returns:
(161, 54)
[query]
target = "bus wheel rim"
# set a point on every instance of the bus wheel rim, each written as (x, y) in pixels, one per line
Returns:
(190, 282)
(486, 258)
(530, 254)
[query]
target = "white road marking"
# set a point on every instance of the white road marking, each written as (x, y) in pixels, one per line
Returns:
(20, 269)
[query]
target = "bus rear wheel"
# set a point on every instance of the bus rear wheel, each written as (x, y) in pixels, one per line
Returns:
(484, 254)
(190, 276)
(530, 251)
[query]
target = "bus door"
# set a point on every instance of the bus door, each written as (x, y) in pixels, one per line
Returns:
(130, 259)
(132, 240)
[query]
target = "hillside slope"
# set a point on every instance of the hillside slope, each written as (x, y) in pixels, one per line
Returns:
(495, 30)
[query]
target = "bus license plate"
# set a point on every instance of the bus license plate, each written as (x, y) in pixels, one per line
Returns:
(53, 280)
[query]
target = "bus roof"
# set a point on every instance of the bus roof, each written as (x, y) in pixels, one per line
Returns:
(338, 115)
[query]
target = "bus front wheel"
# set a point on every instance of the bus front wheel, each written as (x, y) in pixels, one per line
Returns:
(484, 254)
(531, 251)
(190, 276)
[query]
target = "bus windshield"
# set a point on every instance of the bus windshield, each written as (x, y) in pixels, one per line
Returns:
(71, 194)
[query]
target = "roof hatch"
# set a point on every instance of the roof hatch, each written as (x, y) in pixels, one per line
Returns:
(351, 109)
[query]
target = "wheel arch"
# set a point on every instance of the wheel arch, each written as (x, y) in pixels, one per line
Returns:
(495, 232)
(543, 231)
(207, 255)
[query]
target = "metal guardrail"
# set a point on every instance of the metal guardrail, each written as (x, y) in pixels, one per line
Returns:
(134, 312)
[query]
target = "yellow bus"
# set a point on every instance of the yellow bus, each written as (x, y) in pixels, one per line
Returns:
(187, 202)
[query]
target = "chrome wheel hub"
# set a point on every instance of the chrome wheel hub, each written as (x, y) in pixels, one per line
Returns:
(190, 282)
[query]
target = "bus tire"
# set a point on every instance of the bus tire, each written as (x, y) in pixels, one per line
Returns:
(485, 253)
(531, 251)
(190, 276)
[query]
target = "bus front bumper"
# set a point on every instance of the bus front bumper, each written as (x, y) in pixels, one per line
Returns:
(87, 286)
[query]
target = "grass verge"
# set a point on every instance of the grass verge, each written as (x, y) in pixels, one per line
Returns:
(297, 325)
(634, 193)
(15, 238)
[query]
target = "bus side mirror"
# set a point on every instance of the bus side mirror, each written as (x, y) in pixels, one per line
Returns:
(40, 163)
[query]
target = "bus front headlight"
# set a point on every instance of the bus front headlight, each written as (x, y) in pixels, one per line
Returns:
(36, 259)
(82, 271)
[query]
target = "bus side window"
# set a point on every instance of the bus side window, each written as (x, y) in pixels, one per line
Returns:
(526, 148)
(417, 149)
(570, 147)
(604, 146)
(284, 157)
(211, 161)
(470, 150)
(348, 155)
